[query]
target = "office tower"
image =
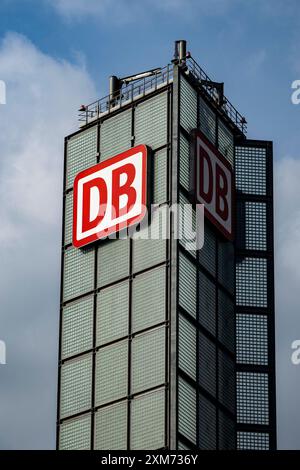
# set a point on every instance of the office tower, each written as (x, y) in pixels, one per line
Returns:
(163, 346)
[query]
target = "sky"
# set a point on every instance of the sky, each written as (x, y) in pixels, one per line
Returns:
(58, 54)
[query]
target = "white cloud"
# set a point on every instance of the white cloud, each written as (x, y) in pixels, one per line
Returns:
(81, 7)
(287, 177)
(287, 267)
(127, 10)
(42, 99)
(42, 96)
(117, 10)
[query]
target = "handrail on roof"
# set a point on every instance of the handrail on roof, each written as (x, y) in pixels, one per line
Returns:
(128, 93)
(147, 85)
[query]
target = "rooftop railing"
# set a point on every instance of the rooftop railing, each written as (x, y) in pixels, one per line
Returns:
(130, 92)
(144, 86)
(226, 107)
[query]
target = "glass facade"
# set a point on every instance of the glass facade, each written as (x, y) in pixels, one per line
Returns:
(206, 302)
(137, 312)
(113, 391)
(256, 415)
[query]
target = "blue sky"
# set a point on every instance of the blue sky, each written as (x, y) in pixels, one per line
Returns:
(57, 54)
(251, 46)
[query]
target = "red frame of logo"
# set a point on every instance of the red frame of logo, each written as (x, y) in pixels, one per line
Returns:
(120, 226)
(193, 182)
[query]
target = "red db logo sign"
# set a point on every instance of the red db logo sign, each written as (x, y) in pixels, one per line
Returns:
(212, 183)
(110, 196)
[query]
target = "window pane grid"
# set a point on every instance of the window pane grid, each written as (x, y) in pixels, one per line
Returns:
(253, 440)
(225, 142)
(151, 125)
(207, 424)
(111, 373)
(113, 261)
(184, 162)
(206, 303)
(112, 313)
(187, 285)
(111, 427)
(75, 434)
(148, 310)
(187, 347)
(115, 135)
(78, 272)
(188, 105)
(76, 385)
(251, 282)
(81, 153)
(252, 339)
(68, 218)
(207, 254)
(227, 432)
(207, 121)
(148, 360)
(148, 421)
(187, 225)
(253, 220)
(226, 321)
(207, 364)
(150, 243)
(160, 189)
(187, 406)
(252, 398)
(77, 327)
(226, 265)
(226, 381)
(250, 170)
